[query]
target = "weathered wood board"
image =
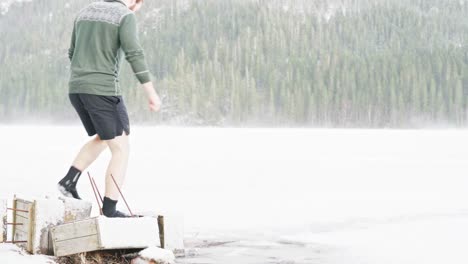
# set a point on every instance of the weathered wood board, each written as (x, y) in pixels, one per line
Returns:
(76, 237)
(23, 221)
(101, 233)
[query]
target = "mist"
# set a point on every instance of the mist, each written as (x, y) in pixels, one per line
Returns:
(290, 131)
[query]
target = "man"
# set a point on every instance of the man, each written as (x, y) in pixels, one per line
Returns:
(104, 32)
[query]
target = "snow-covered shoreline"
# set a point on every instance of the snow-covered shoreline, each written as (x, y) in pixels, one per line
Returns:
(256, 195)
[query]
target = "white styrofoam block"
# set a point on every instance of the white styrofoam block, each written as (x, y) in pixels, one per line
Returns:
(173, 232)
(128, 232)
(173, 229)
(48, 213)
(75, 209)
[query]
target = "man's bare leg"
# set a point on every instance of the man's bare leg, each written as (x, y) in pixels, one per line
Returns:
(87, 155)
(119, 148)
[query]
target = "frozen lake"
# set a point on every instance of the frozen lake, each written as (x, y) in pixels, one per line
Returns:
(277, 195)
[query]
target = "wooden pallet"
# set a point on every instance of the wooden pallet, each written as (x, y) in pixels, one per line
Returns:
(102, 233)
(23, 222)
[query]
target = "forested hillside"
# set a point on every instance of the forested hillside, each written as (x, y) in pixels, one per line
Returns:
(348, 63)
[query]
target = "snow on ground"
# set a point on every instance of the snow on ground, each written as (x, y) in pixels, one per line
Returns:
(159, 255)
(276, 195)
(10, 254)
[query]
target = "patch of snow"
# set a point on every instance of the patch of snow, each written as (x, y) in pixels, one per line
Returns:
(48, 213)
(11, 254)
(159, 255)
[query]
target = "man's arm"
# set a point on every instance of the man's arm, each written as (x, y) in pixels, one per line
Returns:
(71, 50)
(129, 41)
(128, 34)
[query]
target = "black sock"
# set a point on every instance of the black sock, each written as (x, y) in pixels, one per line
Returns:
(71, 179)
(108, 207)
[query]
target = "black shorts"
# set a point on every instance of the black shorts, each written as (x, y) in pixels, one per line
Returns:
(103, 115)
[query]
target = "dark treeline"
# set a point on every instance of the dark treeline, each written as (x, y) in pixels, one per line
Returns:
(348, 63)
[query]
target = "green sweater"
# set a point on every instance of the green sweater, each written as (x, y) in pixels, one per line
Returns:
(103, 33)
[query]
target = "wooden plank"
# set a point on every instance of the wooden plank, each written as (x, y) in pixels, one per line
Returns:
(77, 229)
(13, 234)
(161, 230)
(50, 244)
(52, 237)
(76, 245)
(32, 229)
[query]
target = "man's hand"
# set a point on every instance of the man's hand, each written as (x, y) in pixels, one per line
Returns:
(153, 97)
(136, 5)
(154, 103)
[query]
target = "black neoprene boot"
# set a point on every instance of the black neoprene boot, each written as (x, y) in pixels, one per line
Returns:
(108, 209)
(67, 186)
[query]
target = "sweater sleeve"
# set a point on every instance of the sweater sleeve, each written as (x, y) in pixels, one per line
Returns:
(130, 44)
(71, 50)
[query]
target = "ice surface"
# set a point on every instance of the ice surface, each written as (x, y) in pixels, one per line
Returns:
(277, 195)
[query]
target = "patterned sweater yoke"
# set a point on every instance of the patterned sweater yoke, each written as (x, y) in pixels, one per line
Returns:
(104, 12)
(103, 33)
